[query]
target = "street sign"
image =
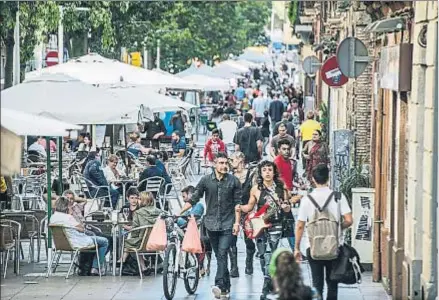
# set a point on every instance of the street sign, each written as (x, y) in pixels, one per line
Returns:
(311, 65)
(352, 57)
(331, 74)
(52, 58)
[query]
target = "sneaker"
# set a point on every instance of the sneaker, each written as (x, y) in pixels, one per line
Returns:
(216, 291)
(225, 295)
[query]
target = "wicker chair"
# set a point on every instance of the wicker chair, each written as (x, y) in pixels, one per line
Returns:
(141, 250)
(9, 236)
(62, 244)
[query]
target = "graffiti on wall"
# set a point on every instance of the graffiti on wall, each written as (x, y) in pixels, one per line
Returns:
(340, 160)
(364, 227)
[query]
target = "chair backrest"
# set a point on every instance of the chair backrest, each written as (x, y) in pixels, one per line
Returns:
(155, 184)
(146, 234)
(60, 238)
(9, 231)
(29, 224)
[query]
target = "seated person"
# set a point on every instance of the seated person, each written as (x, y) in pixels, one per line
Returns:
(38, 147)
(178, 144)
(161, 158)
(86, 144)
(6, 191)
(94, 173)
(75, 232)
(213, 146)
(151, 170)
(76, 205)
(132, 196)
(135, 147)
(197, 210)
(113, 174)
(146, 214)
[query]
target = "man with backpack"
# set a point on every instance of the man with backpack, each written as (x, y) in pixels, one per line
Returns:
(326, 213)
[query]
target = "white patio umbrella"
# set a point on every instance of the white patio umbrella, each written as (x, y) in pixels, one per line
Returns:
(210, 83)
(255, 56)
(65, 98)
(96, 69)
(233, 66)
(16, 123)
(207, 71)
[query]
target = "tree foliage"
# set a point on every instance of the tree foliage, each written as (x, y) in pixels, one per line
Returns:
(185, 29)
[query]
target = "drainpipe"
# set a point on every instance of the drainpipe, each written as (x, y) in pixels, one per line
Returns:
(434, 203)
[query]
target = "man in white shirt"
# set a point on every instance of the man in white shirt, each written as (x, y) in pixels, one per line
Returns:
(36, 146)
(321, 194)
(228, 129)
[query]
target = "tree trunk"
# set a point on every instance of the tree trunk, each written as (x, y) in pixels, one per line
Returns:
(9, 64)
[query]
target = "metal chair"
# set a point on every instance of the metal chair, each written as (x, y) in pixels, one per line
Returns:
(9, 240)
(141, 250)
(92, 190)
(155, 185)
(62, 244)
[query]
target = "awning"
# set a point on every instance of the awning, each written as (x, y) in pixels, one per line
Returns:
(386, 25)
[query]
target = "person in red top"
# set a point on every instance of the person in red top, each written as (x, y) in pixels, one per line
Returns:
(283, 163)
(213, 146)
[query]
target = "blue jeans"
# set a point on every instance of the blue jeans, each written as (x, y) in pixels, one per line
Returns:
(102, 249)
(114, 193)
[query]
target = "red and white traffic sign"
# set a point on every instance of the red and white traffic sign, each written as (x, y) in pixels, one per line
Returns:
(331, 73)
(52, 58)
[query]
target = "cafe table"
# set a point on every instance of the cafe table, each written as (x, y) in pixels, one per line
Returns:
(116, 222)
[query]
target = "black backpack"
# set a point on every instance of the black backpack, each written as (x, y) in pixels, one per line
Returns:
(347, 267)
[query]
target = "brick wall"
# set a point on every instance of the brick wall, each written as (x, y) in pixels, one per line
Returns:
(359, 105)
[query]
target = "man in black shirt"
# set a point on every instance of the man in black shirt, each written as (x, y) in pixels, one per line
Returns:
(223, 195)
(288, 124)
(154, 130)
(249, 140)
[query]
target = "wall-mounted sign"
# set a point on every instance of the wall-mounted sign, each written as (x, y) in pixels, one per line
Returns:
(352, 57)
(331, 74)
(395, 69)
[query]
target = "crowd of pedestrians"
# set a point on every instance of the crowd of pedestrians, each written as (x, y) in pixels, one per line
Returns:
(273, 139)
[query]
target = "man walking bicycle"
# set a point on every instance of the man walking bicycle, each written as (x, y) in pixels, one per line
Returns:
(223, 195)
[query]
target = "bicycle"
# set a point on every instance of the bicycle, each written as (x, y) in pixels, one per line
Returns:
(178, 263)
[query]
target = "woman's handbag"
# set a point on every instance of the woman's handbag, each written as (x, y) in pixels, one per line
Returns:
(347, 268)
(191, 241)
(157, 239)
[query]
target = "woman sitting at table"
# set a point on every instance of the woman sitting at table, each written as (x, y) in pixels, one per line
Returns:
(76, 233)
(135, 147)
(93, 172)
(147, 214)
(113, 174)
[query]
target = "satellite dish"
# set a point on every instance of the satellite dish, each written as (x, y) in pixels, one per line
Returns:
(145, 114)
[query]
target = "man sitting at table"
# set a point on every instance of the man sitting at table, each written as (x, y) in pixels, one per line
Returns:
(38, 147)
(75, 232)
(197, 210)
(94, 173)
(151, 170)
(178, 144)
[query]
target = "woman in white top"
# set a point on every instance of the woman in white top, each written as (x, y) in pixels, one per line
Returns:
(113, 174)
(76, 233)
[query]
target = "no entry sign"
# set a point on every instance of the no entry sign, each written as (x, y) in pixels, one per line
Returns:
(331, 73)
(52, 58)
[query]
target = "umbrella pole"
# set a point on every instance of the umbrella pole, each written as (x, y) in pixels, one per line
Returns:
(49, 203)
(60, 184)
(112, 139)
(126, 147)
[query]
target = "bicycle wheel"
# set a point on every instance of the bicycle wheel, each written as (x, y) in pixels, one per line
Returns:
(192, 273)
(169, 274)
